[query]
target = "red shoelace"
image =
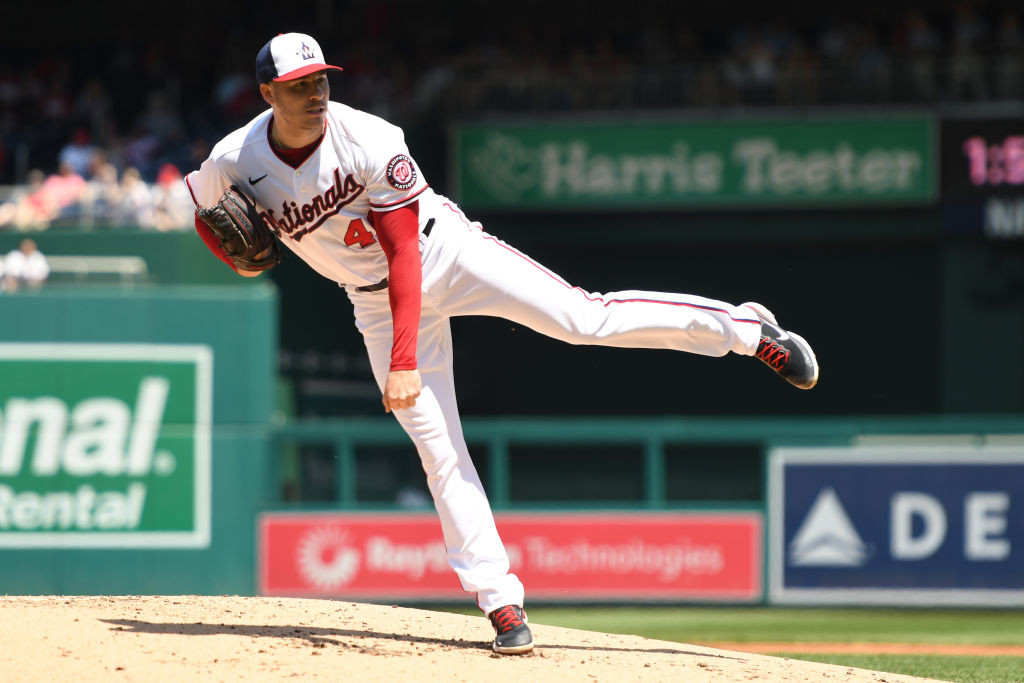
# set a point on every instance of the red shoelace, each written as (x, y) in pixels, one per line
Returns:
(772, 353)
(507, 618)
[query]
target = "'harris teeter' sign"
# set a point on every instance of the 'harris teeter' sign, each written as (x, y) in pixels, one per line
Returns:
(725, 164)
(105, 445)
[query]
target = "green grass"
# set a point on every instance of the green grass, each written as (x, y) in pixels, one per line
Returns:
(751, 624)
(773, 624)
(793, 625)
(943, 668)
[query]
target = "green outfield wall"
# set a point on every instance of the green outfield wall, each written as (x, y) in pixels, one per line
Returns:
(167, 257)
(133, 437)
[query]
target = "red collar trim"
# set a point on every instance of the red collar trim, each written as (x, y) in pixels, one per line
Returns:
(293, 157)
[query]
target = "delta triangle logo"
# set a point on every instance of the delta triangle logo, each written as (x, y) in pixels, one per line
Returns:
(827, 538)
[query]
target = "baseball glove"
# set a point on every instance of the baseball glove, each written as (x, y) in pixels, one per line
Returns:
(243, 233)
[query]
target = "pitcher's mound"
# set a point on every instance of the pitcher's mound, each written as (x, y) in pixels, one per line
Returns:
(231, 638)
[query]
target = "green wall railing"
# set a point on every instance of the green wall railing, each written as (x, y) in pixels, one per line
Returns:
(652, 435)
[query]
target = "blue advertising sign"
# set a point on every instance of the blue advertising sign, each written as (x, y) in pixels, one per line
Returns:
(897, 525)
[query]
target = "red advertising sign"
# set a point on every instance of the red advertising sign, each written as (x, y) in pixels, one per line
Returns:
(558, 556)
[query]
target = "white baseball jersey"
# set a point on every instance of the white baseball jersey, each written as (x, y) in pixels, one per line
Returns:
(321, 210)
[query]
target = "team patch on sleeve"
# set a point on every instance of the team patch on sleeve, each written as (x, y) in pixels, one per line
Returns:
(401, 172)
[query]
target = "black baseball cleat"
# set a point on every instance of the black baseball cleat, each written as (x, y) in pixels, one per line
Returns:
(787, 353)
(513, 635)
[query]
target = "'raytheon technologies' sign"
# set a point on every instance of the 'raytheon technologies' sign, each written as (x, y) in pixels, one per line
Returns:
(559, 556)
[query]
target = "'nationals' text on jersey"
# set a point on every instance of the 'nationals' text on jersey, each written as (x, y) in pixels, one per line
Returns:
(319, 210)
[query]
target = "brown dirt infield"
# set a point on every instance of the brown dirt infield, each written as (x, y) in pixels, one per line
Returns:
(232, 638)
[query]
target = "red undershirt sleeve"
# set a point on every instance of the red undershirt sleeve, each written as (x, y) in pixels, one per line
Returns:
(399, 232)
(211, 242)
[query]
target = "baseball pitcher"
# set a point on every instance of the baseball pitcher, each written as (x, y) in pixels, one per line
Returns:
(340, 189)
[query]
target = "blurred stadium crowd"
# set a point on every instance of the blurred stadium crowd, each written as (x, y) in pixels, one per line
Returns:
(99, 130)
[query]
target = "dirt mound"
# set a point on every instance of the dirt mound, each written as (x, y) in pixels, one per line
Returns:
(175, 638)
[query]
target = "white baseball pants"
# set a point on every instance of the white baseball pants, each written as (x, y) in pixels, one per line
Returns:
(468, 272)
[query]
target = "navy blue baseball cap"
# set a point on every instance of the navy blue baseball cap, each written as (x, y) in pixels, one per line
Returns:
(288, 56)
